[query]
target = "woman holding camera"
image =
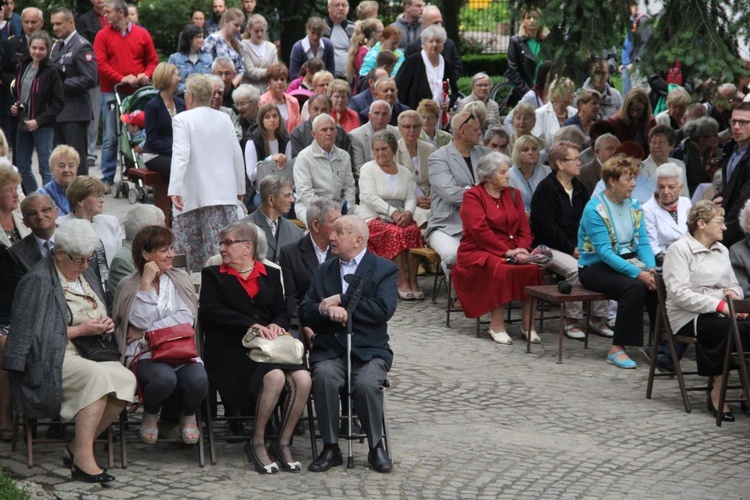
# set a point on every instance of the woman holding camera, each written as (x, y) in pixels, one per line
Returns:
(39, 98)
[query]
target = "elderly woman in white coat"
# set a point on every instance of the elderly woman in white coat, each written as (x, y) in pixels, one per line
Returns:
(208, 174)
(551, 116)
(666, 212)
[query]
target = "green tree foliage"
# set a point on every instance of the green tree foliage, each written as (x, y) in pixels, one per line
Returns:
(702, 35)
(165, 20)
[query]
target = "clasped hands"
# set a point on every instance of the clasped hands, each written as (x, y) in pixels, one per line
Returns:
(401, 219)
(331, 307)
(521, 255)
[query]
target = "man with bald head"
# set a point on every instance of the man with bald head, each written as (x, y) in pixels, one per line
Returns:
(361, 137)
(453, 170)
(323, 170)
(325, 310)
(720, 107)
(432, 15)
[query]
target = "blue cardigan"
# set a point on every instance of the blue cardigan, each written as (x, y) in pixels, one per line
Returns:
(159, 126)
(597, 242)
(298, 57)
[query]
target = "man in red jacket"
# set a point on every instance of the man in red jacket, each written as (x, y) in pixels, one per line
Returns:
(126, 54)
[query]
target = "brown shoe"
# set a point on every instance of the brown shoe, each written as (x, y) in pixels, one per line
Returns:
(107, 188)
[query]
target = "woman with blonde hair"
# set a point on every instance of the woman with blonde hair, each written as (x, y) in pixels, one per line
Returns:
(635, 119)
(527, 170)
(157, 150)
(346, 117)
(551, 116)
(258, 53)
(431, 133)
(224, 42)
(524, 52)
(366, 34)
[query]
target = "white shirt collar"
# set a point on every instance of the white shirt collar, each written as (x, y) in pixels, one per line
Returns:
(40, 242)
(320, 254)
(70, 37)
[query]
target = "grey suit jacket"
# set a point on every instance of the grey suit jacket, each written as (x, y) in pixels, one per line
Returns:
(287, 232)
(361, 138)
(36, 343)
(450, 177)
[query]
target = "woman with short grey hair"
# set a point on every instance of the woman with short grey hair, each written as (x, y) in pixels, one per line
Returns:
(493, 261)
(39, 349)
(699, 151)
(666, 212)
(480, 91)
(427, 74)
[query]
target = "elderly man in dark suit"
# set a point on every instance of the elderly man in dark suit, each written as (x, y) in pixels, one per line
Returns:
(74, 56)
(604, 149)
(276, 198)
(39, 215)
(300, 259)
(453, 170)
(324, 309)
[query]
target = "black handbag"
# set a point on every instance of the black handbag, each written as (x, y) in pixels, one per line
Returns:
(97, 347)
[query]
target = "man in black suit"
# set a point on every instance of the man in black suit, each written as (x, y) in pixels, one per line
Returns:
(74, 56)
(39, 215)
(89, 25)
(432, 15)
(735, 174)
(300, 259)
(324, 309)
(276, 198)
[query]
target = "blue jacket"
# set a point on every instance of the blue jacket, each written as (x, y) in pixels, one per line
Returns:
(597, 242)
(186, 67)
(298, 57)
(57, 194)
(159, 126)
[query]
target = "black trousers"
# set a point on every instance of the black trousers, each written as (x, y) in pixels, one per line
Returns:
(712, 334)
(74, 135)
(630, 295)
(161, 164)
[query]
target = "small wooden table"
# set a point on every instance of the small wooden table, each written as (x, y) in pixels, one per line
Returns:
(550, 293)
(160, 185)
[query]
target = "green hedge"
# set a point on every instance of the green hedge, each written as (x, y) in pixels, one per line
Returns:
(492, 64)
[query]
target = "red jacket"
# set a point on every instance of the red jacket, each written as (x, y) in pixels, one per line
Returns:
(491, 227)
(118, 56)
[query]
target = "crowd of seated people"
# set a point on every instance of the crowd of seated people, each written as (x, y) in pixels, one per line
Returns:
(364, 140)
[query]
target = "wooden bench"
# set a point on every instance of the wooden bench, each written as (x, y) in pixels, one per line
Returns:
(550, 293)
(160, 185)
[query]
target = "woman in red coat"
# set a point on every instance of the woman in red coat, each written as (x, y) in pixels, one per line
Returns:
(493, 266)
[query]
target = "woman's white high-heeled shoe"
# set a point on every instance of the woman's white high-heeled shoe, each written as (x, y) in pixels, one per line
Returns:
(500, 337)
(534, 337)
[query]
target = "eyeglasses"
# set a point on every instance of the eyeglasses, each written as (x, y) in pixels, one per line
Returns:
(241, 104)
(741, 123)
(229, 243)
(79, 262)
(410, 127)
(471, 116)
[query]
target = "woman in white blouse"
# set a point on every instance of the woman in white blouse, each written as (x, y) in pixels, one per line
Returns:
(387, 204)
(551, 116)
(666, 212)
(269, 144)
(257, 52)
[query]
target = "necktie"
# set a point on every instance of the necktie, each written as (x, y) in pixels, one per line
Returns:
(45, 249)
(273, 228)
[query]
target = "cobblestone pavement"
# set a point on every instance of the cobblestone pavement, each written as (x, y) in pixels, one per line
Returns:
(471, 419)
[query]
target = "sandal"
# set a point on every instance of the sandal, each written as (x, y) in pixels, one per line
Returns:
(500, 337)
(407, 295)
(534, 337)
(190, 433)
(418, 295)
(149, 433)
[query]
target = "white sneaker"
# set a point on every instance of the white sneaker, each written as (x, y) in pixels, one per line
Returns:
(603, 329)
(534, 337)
(577, 335)
(500, 337)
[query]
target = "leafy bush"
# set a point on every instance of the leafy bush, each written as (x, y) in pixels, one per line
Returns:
(492, 64)
(9, 490)
(470, 19)
(165, 19)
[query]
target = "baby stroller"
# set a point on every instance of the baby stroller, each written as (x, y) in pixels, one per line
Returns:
(128, 158)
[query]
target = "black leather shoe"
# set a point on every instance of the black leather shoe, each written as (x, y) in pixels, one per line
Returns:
(328, 458)
(725, 416)
(102, 477)
(379, 460)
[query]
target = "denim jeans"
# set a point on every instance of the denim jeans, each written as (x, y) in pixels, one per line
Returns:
(110, 121)
(627, 84)
(25, 142)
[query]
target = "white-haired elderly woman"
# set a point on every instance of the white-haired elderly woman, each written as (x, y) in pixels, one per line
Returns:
(427, 74)
(699, 279)
(527, 170)
(246, 98)
(204, 199)
(387, 203)
(739, 253)
(136, 219)
(48, 375)
(524, 121)
(666, 212)
(552, 116)
(239, 294)
(495, 232)
(697, 150)
(480, 91)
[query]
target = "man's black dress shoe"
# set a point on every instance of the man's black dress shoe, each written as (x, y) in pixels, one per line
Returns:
(328, 458)
(379, 460)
